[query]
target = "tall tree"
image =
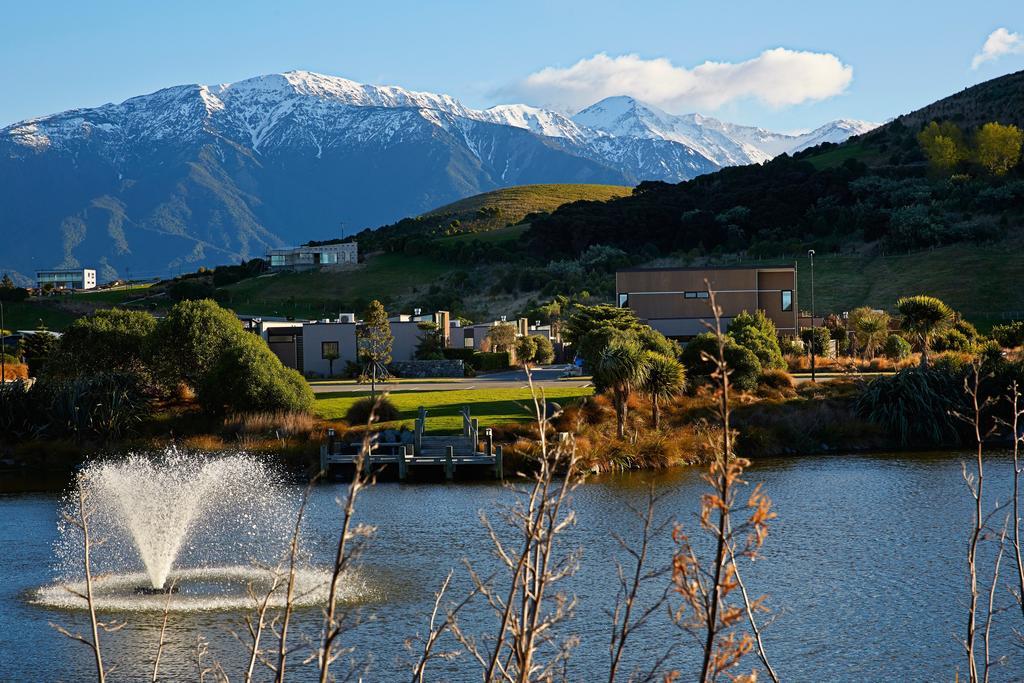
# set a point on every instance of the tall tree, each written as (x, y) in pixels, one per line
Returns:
(924, 317)
(665, 378)
(998, 147)
(502, 336)
(943, 145)
(374, 340)
(621, 368)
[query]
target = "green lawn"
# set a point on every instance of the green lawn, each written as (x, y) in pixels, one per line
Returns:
(114, 296)
(491, 406)
(26, 315)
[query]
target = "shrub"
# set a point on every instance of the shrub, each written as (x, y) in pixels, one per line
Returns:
(818, 337)
(112, 340)
(791, 346)
(382, 408)
(191, 289)
(526, 349)
(465, 355)
(188, 342)
(37, 349)
(490, 360)
(757, 333)
(743, 364)
(896, 348)
(774, 378)
(1010, 335)
(952, 340)
(247, 376)
(545, 351)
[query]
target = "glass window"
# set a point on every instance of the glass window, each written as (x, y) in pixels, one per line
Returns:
(690, 295)
(329, 349)
(328, 257)
(787, 299)
(702, 295)
(623, 300)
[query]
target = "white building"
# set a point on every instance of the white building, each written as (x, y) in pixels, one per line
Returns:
(306, 258)
(66, 278)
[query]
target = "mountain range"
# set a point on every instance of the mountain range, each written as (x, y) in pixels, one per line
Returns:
(200, 175)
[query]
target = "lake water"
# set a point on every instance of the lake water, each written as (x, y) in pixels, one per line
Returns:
(865, 568)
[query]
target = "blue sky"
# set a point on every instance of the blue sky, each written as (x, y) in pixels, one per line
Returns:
(873, 59)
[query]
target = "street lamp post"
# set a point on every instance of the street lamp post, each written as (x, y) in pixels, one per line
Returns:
(810, 255)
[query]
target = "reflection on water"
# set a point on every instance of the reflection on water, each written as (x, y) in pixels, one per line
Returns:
(865, 569)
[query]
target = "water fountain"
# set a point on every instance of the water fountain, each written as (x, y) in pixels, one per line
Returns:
(214, 530)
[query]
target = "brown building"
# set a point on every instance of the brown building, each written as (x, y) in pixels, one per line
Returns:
(674, 301)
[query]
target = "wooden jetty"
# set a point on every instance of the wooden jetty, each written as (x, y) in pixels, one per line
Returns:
(413, 450)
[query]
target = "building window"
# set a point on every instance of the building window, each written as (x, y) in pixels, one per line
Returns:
(695, 295)
(329, 350)
(623, 300)
(787, 299)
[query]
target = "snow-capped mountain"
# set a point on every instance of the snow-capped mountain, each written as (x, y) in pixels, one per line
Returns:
(726, 144)
(201, 174)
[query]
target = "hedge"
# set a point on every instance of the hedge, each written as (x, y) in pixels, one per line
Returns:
(485, 362)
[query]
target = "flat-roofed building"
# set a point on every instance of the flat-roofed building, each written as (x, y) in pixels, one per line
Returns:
(306, 257)
(674, 301)
(66, 278)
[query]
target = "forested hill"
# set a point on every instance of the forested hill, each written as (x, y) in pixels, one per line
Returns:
(876, 188)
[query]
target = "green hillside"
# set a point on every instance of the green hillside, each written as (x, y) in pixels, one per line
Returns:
(485, 212)
(511, 204)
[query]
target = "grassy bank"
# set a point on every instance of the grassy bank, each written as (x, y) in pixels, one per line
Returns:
(490, 406)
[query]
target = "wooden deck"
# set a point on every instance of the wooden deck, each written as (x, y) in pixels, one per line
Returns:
(468, 449)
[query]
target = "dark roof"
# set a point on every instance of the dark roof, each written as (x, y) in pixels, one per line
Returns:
(765, 266)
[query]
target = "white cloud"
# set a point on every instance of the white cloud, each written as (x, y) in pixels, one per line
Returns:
(777, 77)
(1000, 42)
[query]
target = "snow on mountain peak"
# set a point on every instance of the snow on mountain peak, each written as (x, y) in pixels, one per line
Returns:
(303, 108)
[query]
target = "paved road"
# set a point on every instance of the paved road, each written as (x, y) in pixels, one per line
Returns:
(548, 375)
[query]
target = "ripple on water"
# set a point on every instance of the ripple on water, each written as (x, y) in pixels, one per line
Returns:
(204, 589)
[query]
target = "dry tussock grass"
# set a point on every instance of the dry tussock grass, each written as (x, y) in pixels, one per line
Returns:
(279, 424)
(15, 372)
(850, 364)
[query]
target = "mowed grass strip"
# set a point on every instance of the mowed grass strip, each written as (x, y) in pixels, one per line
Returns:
(490, 406)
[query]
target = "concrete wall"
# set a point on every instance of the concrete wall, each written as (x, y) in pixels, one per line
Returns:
(407, 337)
(313, 337)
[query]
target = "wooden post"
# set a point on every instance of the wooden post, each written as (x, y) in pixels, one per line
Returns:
(403, 466)
(499, 464)
(449, 464)
(476, 432)
(488, 442)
